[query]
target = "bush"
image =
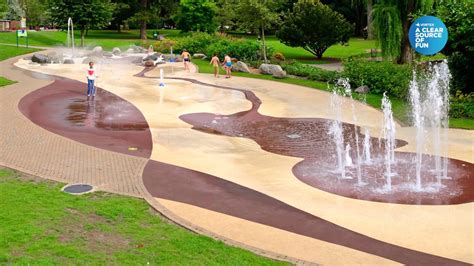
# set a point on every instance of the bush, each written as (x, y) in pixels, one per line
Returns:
(309, 72)
(278, 57)
(380, 77)
(239, 48)
(196, 42)
(163, 46)
(462, 105)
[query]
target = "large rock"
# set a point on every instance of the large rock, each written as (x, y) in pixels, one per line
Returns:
(97, 51)
(362, 89)
(152, 57)
(134, 49)
(41, 58)
(279, 74)
(240, 67)
(55, 57)
(68, 61)
(199, 56)
(116, 51)
(270, 69)
(91, 59)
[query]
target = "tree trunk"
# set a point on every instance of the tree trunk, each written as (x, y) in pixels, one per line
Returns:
(370, 30)
(82, 37)
(406, 54)
(264, 46)
(144, 6)
(119, 28)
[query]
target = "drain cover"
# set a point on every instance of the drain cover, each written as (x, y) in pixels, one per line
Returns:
(77, 188)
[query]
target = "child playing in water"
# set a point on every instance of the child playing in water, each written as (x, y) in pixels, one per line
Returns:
(186, 58)
(215, 63)
(228, 66)
(91, 76)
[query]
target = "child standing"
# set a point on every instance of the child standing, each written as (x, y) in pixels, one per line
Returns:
(91, 76)
(186, 59)
(215, 63)
(228, 66)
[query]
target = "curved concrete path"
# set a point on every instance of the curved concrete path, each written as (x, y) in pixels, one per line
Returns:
(28, 147)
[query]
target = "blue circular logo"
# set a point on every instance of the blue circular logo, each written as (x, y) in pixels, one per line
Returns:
(428, 35)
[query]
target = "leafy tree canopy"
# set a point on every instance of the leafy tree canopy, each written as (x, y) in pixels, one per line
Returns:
(314, 27)
(86, 14)
(197, 15)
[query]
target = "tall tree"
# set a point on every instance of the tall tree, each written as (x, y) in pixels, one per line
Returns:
(15, 11)
(152, 10)
(391, 21)
(314, 27)
(86, 14)
(197, 15)
(258, 16)
(34, 11)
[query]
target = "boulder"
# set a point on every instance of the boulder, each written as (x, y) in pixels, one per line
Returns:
(55, 57)
(362, 89)
(134, 49)
(270, 69)
(91, 59)
(149, 63)
(152, 57)
(97, 50)
(116, 51)
(41, 58)
(68, 61)
(240, 67)
(199, 56)
(27, 57)
(279, 74)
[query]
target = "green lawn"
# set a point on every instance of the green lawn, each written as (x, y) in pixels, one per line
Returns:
(40, 225)
(7, 51)
(399, 106)
(105, 38)
(5, 82)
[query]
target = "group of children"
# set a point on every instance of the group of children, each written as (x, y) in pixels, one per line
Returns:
(215, 62)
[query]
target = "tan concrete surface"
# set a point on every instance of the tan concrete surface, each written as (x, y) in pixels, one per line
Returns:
(442, 230)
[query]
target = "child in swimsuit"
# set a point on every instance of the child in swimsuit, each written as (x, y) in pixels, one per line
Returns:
(215, 63)
(228, 66)
(186, 59)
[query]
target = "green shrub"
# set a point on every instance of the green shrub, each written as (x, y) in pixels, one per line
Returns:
(239, 48)
(164, 46)
(196, 42)
(309, 72)
(462, 105)
(380, 77)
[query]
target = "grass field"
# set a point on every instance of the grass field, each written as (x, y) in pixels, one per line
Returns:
(40, 225)
(6, 52)
(5, 82)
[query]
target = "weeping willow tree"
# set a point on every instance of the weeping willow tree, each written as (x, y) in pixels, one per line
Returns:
(391, 22)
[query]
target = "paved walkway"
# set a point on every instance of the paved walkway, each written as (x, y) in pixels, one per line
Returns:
(238, 164)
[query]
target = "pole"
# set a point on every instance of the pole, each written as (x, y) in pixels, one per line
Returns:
(17, 44)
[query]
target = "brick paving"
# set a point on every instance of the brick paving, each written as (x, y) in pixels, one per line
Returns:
(26, 147)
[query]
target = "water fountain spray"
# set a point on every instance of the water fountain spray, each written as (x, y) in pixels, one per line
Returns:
(70, 35)
(388, 132)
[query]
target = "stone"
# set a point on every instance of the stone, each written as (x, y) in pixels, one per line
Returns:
(97, 51)
(362, 89)
(240, 67)
(270, 69)
(55, 57)
(27, 57)
(152, 57)
(199, 56)
(149, 63)
(134, 49)
(116, 51)
(91, 59)
(279, 74)
(68, 61)
(41, 58)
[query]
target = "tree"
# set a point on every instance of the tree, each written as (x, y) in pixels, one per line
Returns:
(258, 15)
(3, 9)
(314, 27)
(34, 11)
(15, 11)
(197, 15)
(124, 10)
(86, 14)
(459, 19)
(391, 22)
